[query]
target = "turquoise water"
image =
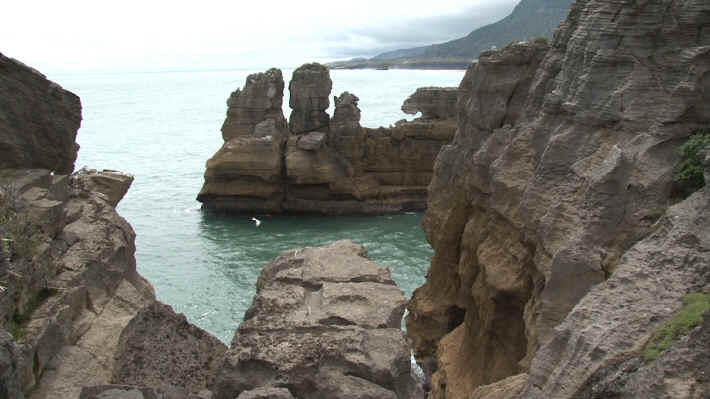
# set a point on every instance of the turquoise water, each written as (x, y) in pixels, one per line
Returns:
(162, 127)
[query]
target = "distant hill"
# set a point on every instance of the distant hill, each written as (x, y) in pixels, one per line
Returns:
(529, 19)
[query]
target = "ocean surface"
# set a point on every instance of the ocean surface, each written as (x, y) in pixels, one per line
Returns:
(162, 127)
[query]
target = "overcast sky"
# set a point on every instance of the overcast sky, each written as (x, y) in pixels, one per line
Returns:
(145, 35)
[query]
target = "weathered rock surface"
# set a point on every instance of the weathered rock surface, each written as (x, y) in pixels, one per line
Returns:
(122, 392)
(561, 166)
(432, 102)
(9, 377)
(337, 167)
(325, 322)
(161, 349)
(68, 270)
(266, 393)
(70, 298)
(256, 107)
(247, 172)
(681, 372)
(310, 92)
(38, 122)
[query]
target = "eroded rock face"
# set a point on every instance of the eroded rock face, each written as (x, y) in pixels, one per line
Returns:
(560, 166)
(246, 173)
(161, 349)
(329, 168)
(432, 102)
(39, 120)
(257, 103)
(72, 295)
(325, 322)
(309, 98)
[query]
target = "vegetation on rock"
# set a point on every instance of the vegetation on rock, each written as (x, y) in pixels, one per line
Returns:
(694, 305)
(688, 176)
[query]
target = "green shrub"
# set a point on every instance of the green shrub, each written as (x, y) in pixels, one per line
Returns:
(688, 175)
(694, 305)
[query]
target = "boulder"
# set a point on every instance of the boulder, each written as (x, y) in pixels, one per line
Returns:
(540, 210)
(161, 349)
(109, 183)
(309, 98)
(325, 322)
(432, 102)
(39, 120)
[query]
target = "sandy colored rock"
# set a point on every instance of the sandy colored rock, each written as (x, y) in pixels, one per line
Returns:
(324, 322)
(39, 120)
(338, 170)
(161, 349)
(561, 165)
(246, 173)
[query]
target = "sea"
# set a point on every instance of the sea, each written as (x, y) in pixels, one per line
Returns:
(161, 127)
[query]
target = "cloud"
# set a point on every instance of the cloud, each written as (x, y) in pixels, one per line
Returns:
(159, 34)
(416, 32)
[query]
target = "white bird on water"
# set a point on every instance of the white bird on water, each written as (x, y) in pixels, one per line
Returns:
(257, 222)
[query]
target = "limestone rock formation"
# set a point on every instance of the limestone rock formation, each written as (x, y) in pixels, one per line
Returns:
(557, 180)
(39, 120)
(69, 298)
(334, 168)
(432, 102)
(246, 173)
(258, 104)
(325, 322)
(68, 271)
(161, 349)
(310, 91)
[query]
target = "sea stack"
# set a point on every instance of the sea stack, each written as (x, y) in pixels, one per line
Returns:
(246, 174)
(318, 164)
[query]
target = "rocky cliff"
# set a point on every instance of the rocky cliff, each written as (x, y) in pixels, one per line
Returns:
(319, 164)
(48, 117)
(70, 292)
(557, 253)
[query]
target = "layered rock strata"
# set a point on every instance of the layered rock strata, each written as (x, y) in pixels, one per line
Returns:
(325, 322)
(328, 166)
(67, 270)
(559, 179)
(247, 172)
(310, 91)
(47, 115)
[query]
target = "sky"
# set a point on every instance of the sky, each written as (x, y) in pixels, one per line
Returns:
(155, 35)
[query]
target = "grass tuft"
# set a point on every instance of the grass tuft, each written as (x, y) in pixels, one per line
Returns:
(694, 306)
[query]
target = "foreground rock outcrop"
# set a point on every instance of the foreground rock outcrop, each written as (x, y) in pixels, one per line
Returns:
(68, 272)
(325, 322)
(556, 252)
(322, 165)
